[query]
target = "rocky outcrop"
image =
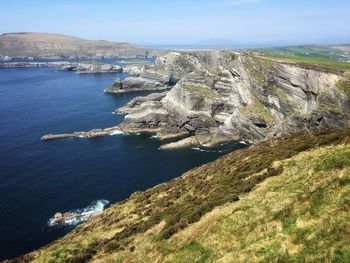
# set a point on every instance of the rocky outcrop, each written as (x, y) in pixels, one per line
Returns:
(137, 101)
(133, 70)
(239, 96)
(163, 75)
(146, 81)
(80, 67)
(217, 97)
(93, 67)
(89, 134)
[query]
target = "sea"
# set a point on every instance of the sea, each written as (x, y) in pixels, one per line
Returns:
(38, 179)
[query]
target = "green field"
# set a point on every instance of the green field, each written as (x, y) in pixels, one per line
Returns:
(311, 51)
(305, 61)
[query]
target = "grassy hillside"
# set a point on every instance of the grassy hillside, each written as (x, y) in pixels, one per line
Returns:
(309, 62)
(329, 58)
(284, 200)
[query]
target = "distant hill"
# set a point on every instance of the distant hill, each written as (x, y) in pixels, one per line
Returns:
(47, 44)
(344, 48)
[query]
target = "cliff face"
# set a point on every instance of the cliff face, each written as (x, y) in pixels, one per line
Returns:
(284, 200)
(218, 96)
(46, 44)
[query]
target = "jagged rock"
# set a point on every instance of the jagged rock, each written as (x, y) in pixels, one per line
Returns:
(163, 75)
(137, 101)
(89, 134)
(242, 126)
(133, 70)
(149, 81)
(149, 114)
(187, 142)
(261, 123)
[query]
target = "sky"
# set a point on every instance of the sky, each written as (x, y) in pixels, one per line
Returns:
(246, 22)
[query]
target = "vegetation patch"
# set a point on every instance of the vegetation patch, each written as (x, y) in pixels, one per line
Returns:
(257, 109)
(259, 69)
(202, 91)
(310, 62)
(344, 87)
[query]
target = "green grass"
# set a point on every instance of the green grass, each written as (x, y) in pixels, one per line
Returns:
(339, 161)
(202, 91)
(320, 52)
(344, 86)
(191, 253)
(311, 62)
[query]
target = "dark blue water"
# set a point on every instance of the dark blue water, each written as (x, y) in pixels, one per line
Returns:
(39, 178)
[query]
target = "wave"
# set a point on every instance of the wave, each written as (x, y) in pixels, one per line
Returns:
(117, 133)
(206, 150)
(78, 216)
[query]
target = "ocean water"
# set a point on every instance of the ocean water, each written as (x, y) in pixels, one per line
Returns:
(38, 179)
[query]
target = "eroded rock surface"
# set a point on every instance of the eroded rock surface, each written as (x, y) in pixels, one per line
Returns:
(241, 96)
(217, 97)
(163, 75)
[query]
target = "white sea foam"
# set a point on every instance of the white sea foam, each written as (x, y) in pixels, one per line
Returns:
(117, 133)
(199, 149)
(80, 215)
(206, 150)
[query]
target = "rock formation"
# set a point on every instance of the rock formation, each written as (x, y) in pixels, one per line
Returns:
(217, 97)
(89, 134)
(161, 76)
(92, 68)
(229, 96)
(80, 67)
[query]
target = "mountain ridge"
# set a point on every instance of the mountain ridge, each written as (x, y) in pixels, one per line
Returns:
(50, 44)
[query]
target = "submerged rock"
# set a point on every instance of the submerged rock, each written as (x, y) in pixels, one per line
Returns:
(89, 134)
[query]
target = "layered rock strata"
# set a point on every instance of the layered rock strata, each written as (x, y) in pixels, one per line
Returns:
(218, 97)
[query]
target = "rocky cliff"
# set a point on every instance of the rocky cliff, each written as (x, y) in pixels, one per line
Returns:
(216, 97)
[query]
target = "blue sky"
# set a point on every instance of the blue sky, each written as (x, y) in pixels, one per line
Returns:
(184, 21)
